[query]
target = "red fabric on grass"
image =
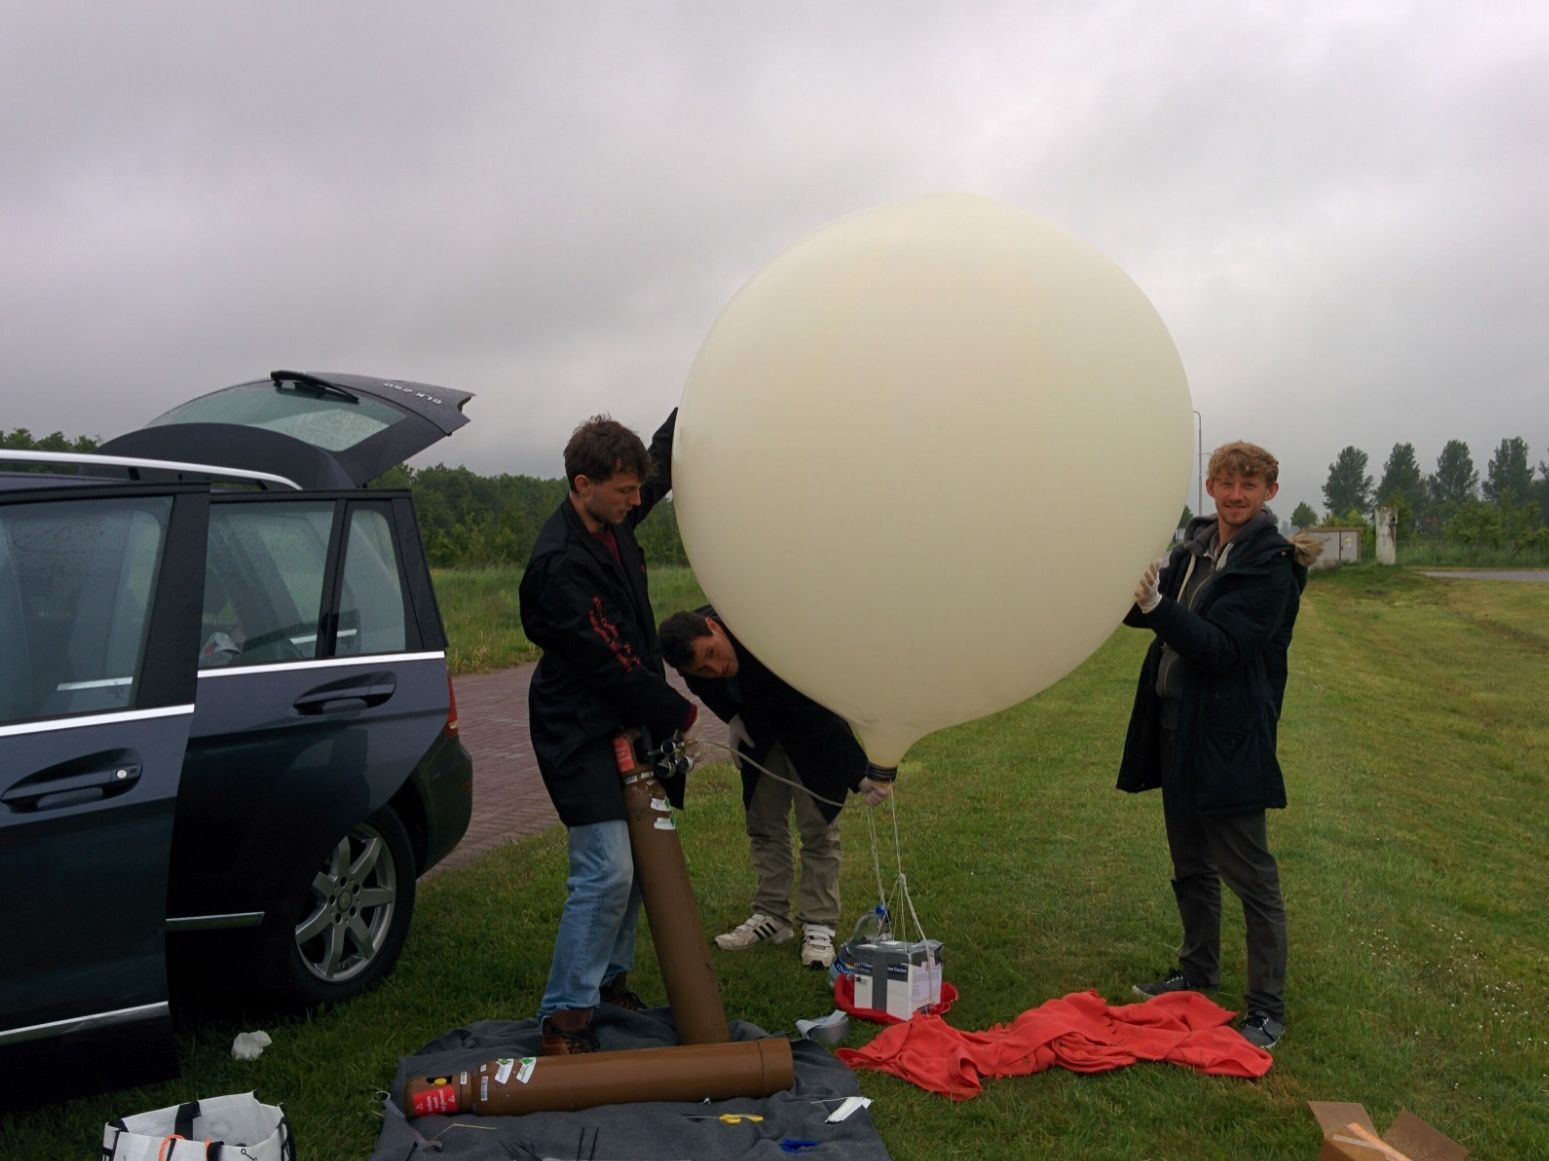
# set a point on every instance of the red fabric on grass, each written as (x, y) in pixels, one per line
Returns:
(1080, 1032)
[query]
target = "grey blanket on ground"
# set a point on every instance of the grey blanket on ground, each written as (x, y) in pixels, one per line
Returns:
(654, 1131)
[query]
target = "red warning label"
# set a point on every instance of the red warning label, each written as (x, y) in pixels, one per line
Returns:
(433, 1101)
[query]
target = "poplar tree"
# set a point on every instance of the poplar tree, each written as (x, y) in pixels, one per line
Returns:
(1509, 476)
(1402, 486)
(1455, 479)
(1348, 487)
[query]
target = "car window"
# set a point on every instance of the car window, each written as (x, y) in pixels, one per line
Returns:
(263, 587)
(372, 615)
(329, 421)
(76, 581)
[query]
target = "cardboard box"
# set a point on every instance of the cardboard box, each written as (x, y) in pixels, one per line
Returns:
(896, 977)
(1348, 1135)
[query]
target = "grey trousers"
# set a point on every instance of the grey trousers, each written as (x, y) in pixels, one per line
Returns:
(1234, 848)
(769, 837)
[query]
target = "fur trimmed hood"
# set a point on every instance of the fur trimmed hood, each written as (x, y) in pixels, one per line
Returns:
(1307, 548)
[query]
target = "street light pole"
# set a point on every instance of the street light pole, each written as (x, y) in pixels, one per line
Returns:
(1199, 463)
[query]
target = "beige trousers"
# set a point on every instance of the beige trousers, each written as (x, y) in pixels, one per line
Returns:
(769, 838)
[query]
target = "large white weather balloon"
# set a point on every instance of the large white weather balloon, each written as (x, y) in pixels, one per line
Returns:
(923, 457)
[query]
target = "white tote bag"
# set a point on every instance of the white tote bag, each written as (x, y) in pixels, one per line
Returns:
(225, 1128)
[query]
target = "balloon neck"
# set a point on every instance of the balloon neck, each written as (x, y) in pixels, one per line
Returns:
(881, 773)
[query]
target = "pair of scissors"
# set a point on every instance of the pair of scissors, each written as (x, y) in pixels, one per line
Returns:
(725, 1118)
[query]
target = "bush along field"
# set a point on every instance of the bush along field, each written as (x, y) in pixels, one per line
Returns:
(1416, 749)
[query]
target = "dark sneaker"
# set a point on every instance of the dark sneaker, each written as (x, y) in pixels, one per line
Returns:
(568, 1033)
(1173, 981)
(1262, 1030)
(614, 992)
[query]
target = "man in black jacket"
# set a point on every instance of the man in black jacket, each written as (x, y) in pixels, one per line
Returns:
(584, 602)
(1204, 724)
(815, 761)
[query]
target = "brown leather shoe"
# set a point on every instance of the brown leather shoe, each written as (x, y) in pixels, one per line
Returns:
(617, 993)
(568, 1033)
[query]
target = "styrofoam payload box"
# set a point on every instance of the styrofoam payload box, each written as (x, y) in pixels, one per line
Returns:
(896, 977)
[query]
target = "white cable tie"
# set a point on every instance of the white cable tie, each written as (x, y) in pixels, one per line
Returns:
(851, 1105)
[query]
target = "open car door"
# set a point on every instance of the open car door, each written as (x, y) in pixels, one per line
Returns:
(97, 682)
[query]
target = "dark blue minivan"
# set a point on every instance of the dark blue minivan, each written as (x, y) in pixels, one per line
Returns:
(224, 707)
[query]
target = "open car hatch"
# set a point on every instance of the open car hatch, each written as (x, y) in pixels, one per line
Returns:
(321, 429)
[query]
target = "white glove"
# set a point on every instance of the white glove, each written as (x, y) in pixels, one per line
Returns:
(1148, 593)
(737, 736)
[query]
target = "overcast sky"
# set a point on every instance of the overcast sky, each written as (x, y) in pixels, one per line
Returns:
(1340, 210)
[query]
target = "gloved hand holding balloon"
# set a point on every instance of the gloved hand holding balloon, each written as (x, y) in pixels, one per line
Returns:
(1148, 593)
(922, 457)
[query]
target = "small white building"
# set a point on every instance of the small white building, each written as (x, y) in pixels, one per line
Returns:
(1340, 546)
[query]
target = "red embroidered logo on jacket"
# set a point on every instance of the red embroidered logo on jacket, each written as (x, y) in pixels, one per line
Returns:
(608, 631)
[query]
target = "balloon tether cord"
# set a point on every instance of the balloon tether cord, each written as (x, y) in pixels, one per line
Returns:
(900, 883)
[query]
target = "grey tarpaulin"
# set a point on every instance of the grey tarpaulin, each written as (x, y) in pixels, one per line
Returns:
(657, 1131)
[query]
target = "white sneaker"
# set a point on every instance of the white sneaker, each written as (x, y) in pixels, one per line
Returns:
(817, 946)
(755, 929)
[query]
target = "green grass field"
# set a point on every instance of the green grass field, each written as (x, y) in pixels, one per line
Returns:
(1416, 747)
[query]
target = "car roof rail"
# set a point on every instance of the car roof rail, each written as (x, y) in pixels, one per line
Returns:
(136, 463)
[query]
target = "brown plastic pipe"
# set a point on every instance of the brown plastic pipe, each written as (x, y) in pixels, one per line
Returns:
(687, 1072)
(670, 907)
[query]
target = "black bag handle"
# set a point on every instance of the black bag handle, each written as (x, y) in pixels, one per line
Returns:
(183, 1123)
(183, 1126)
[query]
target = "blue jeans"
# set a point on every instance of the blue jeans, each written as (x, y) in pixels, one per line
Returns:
(596, 939)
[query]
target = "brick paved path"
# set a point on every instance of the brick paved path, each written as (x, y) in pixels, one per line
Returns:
(509, 801)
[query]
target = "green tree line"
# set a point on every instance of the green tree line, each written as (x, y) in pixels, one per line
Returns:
(468, 520)
(20, 439)
(1507, 508)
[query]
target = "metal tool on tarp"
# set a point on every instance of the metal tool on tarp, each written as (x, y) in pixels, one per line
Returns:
(826, 1030)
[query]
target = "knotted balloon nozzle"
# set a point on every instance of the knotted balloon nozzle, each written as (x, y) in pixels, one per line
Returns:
(672, 758)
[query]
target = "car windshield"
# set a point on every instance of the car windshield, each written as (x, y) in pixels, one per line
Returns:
(332, 421)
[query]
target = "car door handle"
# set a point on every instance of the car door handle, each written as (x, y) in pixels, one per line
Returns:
(341, 697)
(43, 792)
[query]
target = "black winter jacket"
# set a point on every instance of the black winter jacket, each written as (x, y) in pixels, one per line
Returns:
(1232, 651)
(820, 744)
(601, 671)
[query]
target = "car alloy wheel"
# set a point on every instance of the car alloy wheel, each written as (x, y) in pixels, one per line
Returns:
(351, 930)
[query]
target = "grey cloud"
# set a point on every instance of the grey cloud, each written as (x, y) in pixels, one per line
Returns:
(1339, 210)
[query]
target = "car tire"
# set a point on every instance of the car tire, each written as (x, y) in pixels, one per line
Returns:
(347, 925)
